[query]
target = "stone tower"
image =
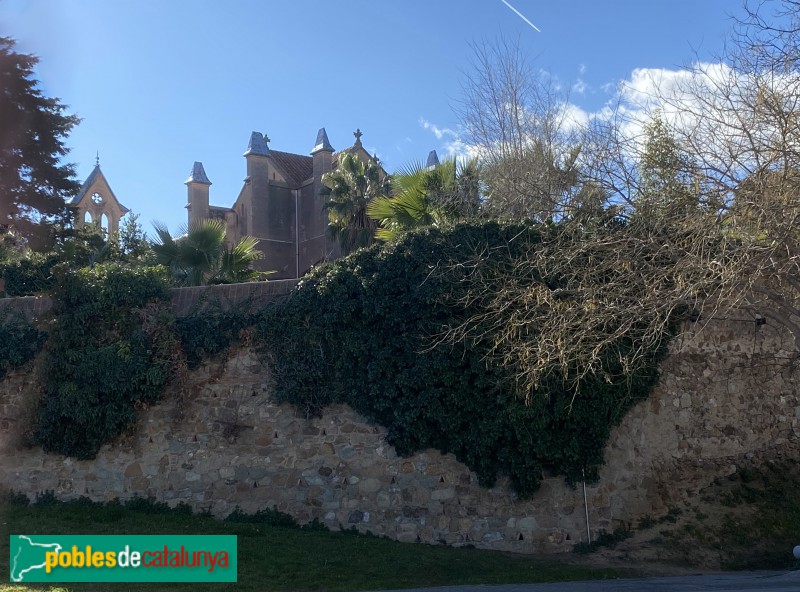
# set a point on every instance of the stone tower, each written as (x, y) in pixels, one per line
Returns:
(198, 188)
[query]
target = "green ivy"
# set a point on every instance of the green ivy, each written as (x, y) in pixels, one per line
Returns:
(207, 332)
(106, 355)
(361, 331)
(20, 341)
(30, 276)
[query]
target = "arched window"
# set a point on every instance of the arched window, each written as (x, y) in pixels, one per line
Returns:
(104, 222)
(87, 218)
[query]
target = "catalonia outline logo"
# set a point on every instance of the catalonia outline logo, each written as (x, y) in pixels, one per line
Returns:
(122, 558)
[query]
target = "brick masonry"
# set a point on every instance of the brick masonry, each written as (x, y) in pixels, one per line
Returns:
(728, 396)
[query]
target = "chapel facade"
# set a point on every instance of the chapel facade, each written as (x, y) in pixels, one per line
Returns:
(96, 203)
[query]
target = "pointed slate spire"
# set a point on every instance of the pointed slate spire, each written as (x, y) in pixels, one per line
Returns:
(433, 159)
(257, 145)
(198, 175)
(322, 142)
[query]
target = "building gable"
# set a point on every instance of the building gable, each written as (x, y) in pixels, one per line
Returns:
(95, 200)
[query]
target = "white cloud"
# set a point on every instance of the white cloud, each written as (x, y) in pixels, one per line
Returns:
(461, 150)
(439, 132)
(714, 110)
(574, 118)
(683, 98)
(701, 103)
(609, 87)
(451, 145)
(580, 86)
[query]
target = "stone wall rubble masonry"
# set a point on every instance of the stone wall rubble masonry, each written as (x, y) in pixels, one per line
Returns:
(184, 301)
(728, 395)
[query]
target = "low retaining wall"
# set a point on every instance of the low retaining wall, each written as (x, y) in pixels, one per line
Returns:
(727, 395)
(184, 300)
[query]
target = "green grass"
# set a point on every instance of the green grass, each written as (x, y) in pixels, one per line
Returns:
(280, 558)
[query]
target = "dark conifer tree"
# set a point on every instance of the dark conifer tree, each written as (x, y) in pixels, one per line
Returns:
(34, 182)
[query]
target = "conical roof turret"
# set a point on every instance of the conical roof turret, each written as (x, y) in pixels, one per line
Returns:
(258, 145)
(198, 174)
(322, 142)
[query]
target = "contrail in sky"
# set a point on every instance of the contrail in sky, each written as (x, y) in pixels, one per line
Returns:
(520, 15)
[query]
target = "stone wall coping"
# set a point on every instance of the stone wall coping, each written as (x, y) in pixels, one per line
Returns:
(184, 300)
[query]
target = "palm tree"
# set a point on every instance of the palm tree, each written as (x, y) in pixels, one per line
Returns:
(351, 187)
(201, 256)
(424, 196)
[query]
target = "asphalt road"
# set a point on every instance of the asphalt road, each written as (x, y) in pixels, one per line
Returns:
(729, 582)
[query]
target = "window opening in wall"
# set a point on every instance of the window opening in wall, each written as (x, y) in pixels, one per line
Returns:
(87, 218)
(104, 222)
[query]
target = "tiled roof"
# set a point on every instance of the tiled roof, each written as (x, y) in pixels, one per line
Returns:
(296, 167)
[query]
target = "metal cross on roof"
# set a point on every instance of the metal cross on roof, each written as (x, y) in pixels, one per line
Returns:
(358, 135)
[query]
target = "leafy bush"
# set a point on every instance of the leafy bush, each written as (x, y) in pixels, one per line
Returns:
(20, 341)
(30, 276)
(15, 498)
(104, 356)
(46, 498)
(77, 247)
(268, 517)
(363, 331)
(149, 505)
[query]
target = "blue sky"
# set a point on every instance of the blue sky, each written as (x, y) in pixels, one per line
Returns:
(160, 84)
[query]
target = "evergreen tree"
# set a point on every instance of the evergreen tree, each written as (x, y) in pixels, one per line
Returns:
(349, 189)
(669, 191)
(34, 183)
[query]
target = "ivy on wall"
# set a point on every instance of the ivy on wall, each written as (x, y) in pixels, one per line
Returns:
(207, 332)
(362, 332)
(105, 356)
(20, 341)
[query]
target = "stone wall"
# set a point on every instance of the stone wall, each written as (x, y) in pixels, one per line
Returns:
(184, 300)
(29, 307)
(728, 395)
